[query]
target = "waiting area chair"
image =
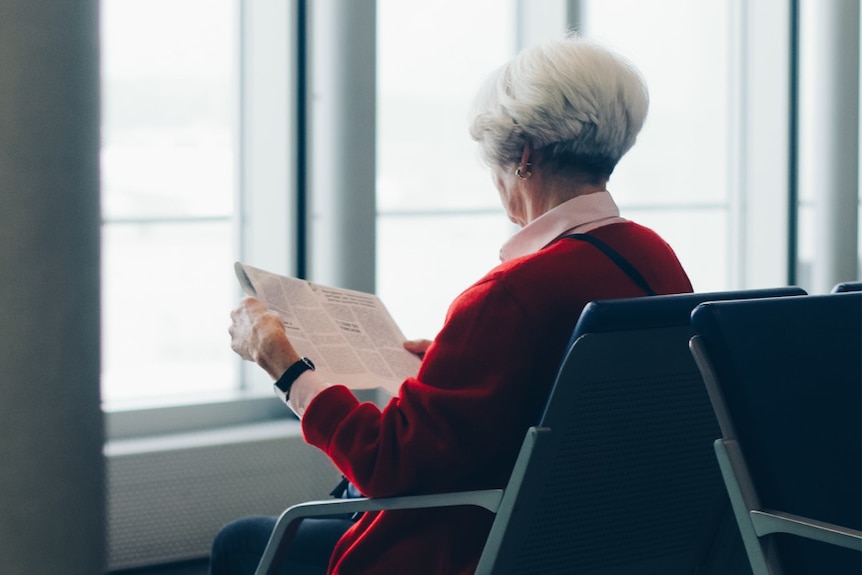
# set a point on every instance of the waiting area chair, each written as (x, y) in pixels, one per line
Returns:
(784, 377)
(847, 286)
(618, 476)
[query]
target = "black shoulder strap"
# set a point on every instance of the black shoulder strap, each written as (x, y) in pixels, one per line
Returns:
(621, 262)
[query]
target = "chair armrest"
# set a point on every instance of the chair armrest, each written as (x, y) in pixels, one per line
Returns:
(768, 521)
(488, 499)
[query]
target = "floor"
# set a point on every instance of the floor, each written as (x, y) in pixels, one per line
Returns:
(197, 567)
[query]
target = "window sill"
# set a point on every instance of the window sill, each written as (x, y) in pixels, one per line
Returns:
(143, 420)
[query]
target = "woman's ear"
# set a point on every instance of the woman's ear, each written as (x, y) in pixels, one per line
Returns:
(524, 170)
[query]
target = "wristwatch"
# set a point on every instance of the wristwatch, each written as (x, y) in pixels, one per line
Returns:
(291, 374)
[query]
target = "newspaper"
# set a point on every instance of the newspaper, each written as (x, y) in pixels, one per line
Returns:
(348, 334)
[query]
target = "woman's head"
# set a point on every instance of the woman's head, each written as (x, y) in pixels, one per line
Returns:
(577, 103)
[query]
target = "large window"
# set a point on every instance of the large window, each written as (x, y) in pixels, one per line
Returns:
(168, 184)
(198, 103)
(440, 223)
(677, 177)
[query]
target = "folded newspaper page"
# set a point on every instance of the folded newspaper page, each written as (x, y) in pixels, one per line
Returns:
(348, 334)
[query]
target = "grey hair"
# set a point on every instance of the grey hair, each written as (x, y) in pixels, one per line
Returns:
(580, 103)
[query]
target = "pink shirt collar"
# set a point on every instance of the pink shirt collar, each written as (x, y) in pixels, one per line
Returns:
(578, 215)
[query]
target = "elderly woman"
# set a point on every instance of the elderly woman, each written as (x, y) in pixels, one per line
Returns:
(552, 125)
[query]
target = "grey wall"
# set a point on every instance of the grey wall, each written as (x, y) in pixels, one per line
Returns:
(51, 431)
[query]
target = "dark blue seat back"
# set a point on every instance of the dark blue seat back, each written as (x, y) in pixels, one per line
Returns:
(628, 482)
(789, 371)
(847, 286)
(659, 311)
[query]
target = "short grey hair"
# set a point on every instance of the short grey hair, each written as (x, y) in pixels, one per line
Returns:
(580, 103)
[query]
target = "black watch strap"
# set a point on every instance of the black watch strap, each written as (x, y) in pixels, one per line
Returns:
(291, 374)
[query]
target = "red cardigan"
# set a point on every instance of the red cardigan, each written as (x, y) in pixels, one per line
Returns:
(458, 425)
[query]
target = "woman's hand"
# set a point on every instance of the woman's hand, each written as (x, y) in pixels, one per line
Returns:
(257, 334)
(417, 346)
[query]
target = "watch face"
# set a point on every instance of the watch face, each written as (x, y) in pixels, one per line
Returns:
(309, 363)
